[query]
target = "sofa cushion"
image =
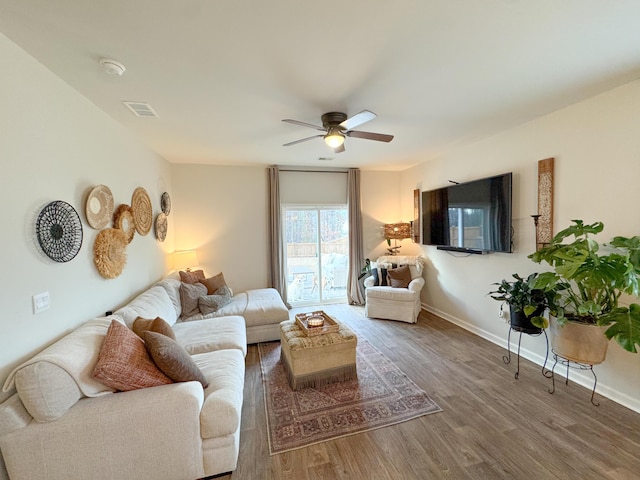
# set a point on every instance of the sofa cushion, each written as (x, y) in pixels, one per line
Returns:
(224, 369)
(212, 334)
(172, 287)
(192, 276)
(158, 325)
(213, 303)
(400, 277)
(189, 295)
(213, 283)
(390, 293)
(123, 362)
(52, 381)
(172, 359)
(151, 303)
(46, 391)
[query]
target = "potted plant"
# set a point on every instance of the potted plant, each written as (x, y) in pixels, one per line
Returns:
(527, 302)
(588, 282)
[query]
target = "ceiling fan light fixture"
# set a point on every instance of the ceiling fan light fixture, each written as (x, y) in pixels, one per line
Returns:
(334, 138)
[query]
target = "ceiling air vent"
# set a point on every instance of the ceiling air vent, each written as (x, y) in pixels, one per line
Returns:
(141, 109)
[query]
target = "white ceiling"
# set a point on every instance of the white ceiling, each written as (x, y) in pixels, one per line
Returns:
(223, 74)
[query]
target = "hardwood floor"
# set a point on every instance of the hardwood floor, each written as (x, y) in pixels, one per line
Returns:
(492, 426)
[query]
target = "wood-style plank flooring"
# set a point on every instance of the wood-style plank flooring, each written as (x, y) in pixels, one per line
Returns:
(492, 426)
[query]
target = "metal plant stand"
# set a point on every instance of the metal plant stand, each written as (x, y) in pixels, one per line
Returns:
(573, 364)
(507, 358)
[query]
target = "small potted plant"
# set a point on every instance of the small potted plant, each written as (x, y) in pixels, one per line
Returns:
(589, 281)
(526, 301)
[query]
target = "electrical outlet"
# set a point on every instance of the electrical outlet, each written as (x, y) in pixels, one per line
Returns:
(41, 302)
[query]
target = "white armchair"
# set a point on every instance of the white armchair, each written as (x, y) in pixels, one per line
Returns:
(394, 303)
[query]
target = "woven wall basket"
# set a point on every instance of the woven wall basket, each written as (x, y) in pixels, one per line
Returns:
(110, 252)
(99, 207)
(142, 211)
(123, 220)
(161, 227)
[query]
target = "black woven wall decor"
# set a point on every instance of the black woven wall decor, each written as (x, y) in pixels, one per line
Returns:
(59, 231)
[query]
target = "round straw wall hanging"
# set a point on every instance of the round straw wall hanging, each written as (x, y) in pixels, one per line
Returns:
(59, 231)
(99, 207)
(161, 227)
(110, 252)
(165, 203)
(123, 219)
(142, 212)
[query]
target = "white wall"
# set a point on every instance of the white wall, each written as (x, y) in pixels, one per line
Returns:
(55, 145)
(596, 146)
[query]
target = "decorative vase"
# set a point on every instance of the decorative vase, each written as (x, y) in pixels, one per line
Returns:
(521, 323)
(579, 342)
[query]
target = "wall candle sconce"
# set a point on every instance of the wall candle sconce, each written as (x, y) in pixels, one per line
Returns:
(543, 220)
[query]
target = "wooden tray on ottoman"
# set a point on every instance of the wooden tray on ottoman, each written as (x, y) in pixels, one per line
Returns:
(329, 326)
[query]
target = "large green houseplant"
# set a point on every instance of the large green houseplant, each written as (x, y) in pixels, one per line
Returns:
(589, 281)
(527, 302)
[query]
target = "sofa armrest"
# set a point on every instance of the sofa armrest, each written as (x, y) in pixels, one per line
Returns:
(152, 433)
(416, 284)
(368, 282)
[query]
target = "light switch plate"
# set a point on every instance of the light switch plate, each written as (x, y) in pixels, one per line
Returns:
(41, 302)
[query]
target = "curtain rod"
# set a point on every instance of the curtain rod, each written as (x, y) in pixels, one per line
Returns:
(298, 169)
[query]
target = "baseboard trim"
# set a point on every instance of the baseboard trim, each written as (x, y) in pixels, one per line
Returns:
(585, 380)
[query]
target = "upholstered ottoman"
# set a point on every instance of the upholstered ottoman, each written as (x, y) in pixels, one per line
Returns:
(317, 360)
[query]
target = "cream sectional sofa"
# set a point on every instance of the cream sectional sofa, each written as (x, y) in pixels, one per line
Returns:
(62, 424)
(262, 310)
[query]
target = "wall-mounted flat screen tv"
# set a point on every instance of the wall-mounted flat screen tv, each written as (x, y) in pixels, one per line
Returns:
(472, 217)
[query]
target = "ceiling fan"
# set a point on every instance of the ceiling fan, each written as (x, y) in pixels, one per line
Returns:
(337, 126)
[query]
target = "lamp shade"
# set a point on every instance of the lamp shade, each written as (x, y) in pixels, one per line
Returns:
(397, 231)
(334, 138)
(185, 259)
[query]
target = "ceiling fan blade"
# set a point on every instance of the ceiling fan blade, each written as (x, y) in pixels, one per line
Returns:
(297, 122)
(380, 137)
(339, 149)
(358, 119)
(301, 140)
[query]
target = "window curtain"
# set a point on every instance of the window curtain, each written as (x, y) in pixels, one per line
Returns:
(356, 249)
(276, 253)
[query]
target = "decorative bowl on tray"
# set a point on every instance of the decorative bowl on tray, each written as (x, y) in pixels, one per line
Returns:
(315, 321)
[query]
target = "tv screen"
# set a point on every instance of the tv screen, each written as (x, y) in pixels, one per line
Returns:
(473, 216)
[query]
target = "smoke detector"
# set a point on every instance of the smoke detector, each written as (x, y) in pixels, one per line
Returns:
(112, 67)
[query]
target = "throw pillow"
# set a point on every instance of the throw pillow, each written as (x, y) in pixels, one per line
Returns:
(123, 361)
(212, 303)
(172, 359)
(400, 277)
(192, 277)
(213, 283)
(141, 325)
(189, 295)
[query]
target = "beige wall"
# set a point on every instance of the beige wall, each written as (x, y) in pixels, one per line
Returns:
(55, 146)
(597, 150)
(221, 212)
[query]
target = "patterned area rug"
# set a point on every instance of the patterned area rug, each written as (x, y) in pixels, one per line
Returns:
(382, 395)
